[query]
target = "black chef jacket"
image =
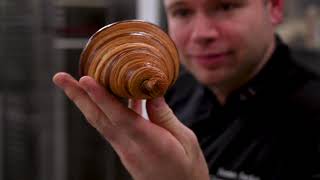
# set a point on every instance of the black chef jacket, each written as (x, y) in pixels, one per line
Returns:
(267, 130)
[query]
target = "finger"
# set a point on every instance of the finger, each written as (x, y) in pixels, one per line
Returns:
(135, 105)
(118, 114)
(90, 110)
(161, 114)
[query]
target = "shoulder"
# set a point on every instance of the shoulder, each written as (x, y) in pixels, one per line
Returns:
(307, 59)
(309, 64)
(306, 98)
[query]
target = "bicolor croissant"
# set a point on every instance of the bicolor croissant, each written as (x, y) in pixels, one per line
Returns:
(132, 59)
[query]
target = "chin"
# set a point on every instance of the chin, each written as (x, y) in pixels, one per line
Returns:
(208, 80)
(207, 77)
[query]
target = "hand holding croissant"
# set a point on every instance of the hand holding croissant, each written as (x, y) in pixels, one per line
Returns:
(162, 148)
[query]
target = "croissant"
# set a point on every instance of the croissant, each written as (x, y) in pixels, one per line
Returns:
(131, 59)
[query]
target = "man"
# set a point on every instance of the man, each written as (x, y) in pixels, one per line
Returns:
(251, 108)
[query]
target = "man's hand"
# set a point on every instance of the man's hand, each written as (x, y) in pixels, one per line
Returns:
(159, 149)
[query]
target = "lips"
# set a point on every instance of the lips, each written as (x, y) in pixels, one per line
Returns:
(210, 59)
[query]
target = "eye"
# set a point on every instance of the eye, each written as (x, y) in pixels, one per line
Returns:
(181, 13)
(227, 6)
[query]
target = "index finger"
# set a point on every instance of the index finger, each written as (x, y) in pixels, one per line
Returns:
(81, 99)
(117, 113)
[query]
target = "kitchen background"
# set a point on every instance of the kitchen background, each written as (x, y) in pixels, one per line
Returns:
(42, 135)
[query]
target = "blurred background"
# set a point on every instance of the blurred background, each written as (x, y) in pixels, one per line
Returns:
(42, 135)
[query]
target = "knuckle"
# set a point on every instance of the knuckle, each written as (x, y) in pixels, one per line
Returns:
(75, 95)
(101, 123)
(166, 115)
(94, 117)
(193, 139)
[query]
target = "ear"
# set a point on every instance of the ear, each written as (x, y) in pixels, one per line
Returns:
(276, 8)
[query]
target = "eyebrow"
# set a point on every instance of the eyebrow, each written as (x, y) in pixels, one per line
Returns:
(174, 4)
(179, 3)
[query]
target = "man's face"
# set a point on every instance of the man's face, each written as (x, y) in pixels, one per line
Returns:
(222, 41)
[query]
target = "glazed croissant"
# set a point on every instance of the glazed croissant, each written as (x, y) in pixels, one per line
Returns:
(131, 59)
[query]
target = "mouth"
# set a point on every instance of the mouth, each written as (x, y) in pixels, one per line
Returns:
(211, 60)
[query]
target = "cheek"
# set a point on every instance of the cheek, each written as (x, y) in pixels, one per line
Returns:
(179, 35)
(235, 38)
(250, 39)
(240, 35)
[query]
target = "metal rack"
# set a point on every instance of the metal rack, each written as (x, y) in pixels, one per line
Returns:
(42, 135)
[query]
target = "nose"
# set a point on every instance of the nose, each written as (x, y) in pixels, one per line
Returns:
(204, 30)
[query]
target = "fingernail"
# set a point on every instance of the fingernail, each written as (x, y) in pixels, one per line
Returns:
(58, 79)
(85, 84)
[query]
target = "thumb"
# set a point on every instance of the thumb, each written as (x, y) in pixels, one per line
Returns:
(160, 113)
